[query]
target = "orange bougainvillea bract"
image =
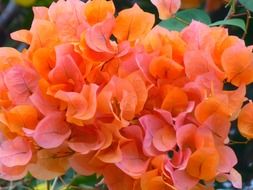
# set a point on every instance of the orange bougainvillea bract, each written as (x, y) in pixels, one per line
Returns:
(116, 96)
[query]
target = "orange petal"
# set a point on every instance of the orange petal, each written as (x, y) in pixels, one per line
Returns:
(152, 180)
(44, 34)
(228, 159)
(186, 136)
(4, 97)
(195, 36)
(21, 83)
(237, 62)
(114, 100)
(199, 62)
(166, 8)
(81, 106)
(151, 124)
(66, 70)
(12, 173)
(16, 152)
(112, 154)
(51, 131)
(101, 8)
(50, 163)
(219, 125)
(132, 24)
(46, 104)
(245, 121)
(235, 178)
(175, 100)
(133, 162)
(86, 164)
(68, 18)
(203, 164)
(9, 57)
(22, 36)
(86, 139)
(145, 179)
(23, 116)
(165, 138)
(40, 12)
(43, 61)
(165, 68)
(140, 88)
(115, 179)
(209, 107)
(235, 101)
(182, 176)
(98, 36)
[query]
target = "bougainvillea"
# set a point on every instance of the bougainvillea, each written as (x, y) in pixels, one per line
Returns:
(142, 106)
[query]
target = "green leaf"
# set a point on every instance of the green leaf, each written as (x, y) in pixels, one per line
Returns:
(184, 18)
(248, 4)
(43, 2)
(41, 186)
(90, 181)
(231, 22)
(25, 3)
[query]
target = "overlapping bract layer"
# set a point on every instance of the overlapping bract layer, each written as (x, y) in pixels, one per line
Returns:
(140, 105)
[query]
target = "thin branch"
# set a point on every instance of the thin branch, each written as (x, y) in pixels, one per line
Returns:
(247, 24)
(239, 14)
(48, 185)
(62, 181)
(10, 185)
(232, 142)
(54, 183)
(231, 9)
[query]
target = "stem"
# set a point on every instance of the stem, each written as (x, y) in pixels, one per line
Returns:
(231, 9)
(247, 24)
(10, 185)
(232, 142)
(63, 182)
(54, 183)
(48, 185)
(239, 14)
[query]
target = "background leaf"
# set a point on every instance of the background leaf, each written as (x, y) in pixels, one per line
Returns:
(25, 3)
(184, 18)
(247, 4)
(85, 180)
(231, 22)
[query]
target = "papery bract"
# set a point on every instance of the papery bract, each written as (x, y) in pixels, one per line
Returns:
(16, 152)
(51, 131)
(166, 8)
(245, 121)
(101, 8)
(132, 24)
(50, 163)
(21, 82)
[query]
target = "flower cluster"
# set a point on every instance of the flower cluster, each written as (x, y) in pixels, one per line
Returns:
(140, 105)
